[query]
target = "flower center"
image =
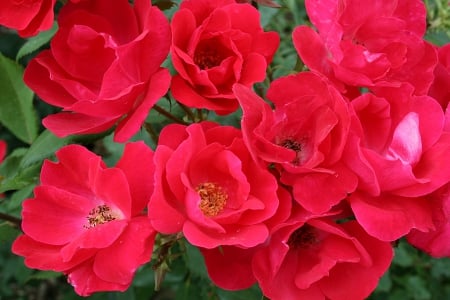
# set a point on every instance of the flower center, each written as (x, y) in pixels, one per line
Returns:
(99, 215)
(294, 145)
(303, 237)
(212, 198)
(207, 58)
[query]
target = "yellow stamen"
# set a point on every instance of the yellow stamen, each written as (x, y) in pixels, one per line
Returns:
(213, 198)
(99, 215)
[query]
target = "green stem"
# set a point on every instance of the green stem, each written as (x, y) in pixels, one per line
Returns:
(188, 112)
(200, 115)
(169, 115)
(16, 221)
(149, 128)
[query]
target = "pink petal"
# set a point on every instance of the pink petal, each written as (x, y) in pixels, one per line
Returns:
(241, 236)
(230, 267)
(85, 281)
(64, 124)
(55, 216)
(41, 256)
(253, 69)
(390, 217)
(137, 163)
(101, 236)
(319, 191)
(119, 262)
(406, 142)
(75, 171)
(311, 49)
(157, 87)
(111, 188)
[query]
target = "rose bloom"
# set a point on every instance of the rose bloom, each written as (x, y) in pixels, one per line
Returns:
(440, 89)
(208, 187)
(303, 137)
(436, 241)
(28, 17)
(230, 267)
(103, 67)
(317, 259)
(368, 43)
(2, 150)
(87, 220)
(215, 44)
(399, 149)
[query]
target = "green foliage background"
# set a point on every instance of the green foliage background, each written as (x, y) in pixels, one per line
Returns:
(413, 275)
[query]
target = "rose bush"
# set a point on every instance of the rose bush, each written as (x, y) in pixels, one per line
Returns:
(215, 44)
(291, 174)
(87, 220)
(103, 67)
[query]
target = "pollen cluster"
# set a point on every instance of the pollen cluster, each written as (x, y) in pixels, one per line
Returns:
(99, 215)
(294, 145)
(207, 58)
(213, 198)
(303, 237)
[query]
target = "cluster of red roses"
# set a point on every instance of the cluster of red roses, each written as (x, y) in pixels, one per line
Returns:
(304, 199)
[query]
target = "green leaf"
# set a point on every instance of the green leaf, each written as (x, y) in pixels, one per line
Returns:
(251, 293)
(21, 179)
(16, 102)
(385, 283)
(43, 147)
(15, 202)
(45, 275)
(266, 14)
(441, 268)
(417, 288)
(403, 257)
(7, 233)
(37, 42)
(14, 177)
(8, 167)
(438, 38)
(195, 261)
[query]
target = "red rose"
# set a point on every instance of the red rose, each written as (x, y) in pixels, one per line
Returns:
(440, 89)
(401, 138)
(28, 17)
(317, 259)
(103, 67)
(230, 267)
(216, 44)
(303, 137)
(2, 150)
(436, 241)
(397, 146)
(368, 43)
(208, 187)
(87, 220)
